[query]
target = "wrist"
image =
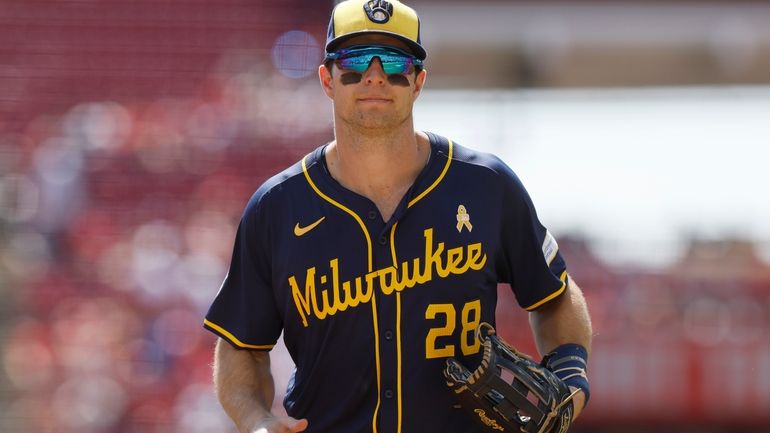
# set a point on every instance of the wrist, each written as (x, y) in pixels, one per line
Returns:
(569, 362)
(254, 421)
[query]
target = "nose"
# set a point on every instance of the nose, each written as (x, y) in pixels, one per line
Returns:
(375, 74)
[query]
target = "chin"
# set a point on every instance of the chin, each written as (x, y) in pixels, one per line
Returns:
(377, 121)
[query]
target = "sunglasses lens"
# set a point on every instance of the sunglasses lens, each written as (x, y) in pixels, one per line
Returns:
(357, 63)
(358, 60)
(396, 64)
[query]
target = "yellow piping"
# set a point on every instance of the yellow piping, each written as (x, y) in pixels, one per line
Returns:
(438, 179)
(369, 267)
(398, 331)
(553, 295)
(232, 337)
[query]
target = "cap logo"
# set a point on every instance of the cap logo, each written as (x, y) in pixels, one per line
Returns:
(378, 11)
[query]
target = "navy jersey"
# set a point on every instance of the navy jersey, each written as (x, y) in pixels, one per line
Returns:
(371, 309)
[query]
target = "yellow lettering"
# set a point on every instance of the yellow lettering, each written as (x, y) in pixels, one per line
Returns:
(432, 257)
(339, 304)
(340, 295)
(370, 277)
(320, 313)
(487, 420)
(475, 260)
(453, 258)
(408, 281)
(303, 302)
(352, 301)
(363, 296)
(389, 280)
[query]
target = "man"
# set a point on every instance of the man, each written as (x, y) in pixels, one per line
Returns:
(379, 254)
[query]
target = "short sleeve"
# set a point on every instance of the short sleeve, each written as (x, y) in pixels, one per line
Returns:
(534, 266)
(244, 311)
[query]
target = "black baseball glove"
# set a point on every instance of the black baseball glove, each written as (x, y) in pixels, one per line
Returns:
(509, 392)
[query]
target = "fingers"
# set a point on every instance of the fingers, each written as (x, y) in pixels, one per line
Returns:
(578, 402)
(299, 425)
(282, 424)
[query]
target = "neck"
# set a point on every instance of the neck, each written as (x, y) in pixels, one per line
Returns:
(379, 138)
(378, 164)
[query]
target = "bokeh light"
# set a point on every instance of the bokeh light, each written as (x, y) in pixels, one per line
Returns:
(296, 54)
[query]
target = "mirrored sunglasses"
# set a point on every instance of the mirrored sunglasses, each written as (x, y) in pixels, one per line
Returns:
(358, 58)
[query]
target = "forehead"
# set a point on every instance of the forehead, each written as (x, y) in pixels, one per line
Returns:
(375, 39)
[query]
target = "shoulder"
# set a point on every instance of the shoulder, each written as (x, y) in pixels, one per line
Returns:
(284, 186)
(468, 161)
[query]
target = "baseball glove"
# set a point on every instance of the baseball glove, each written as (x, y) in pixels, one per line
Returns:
(509, 392)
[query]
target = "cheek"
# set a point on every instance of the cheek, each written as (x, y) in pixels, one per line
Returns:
(398, 80)
(350, 78)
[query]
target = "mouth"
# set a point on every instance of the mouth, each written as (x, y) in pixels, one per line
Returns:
(374, 100)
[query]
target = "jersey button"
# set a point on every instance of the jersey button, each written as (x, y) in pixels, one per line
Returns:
(388, 393)
(388, 334)
(383, 240)
(372, 215)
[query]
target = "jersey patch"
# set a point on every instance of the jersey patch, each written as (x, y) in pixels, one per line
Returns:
(463, 219)
(550, 247)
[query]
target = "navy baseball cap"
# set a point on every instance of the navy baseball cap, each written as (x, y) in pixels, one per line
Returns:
(359, 17)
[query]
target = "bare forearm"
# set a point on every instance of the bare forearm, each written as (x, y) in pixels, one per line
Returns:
(244, 385)
(565, 320)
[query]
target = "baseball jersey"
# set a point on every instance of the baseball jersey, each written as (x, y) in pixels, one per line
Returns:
(371, 309)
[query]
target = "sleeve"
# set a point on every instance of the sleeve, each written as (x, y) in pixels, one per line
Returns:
(534, 266)
(244, 311)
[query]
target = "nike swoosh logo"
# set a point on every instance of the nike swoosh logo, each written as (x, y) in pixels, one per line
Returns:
(299, 231)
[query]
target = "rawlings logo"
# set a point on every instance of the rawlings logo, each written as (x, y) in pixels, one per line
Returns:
(566, 420)
(487, 420)
(378, 11)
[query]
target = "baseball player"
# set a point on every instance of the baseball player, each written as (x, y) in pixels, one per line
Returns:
(379, 254)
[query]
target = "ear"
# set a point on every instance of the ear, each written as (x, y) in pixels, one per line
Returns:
(327, 82)
(419, 83)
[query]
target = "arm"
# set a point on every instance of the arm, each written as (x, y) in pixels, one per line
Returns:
(245, 388)
(564, 320)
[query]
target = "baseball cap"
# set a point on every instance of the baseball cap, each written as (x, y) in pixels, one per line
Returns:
(392, 18)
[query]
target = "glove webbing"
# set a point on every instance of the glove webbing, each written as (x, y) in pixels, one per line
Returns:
(509, 398)
(520, 388)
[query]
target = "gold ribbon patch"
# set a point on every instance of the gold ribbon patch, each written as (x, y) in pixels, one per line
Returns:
(463, 219)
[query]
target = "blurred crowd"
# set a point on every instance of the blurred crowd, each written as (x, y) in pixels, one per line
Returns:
(117, 223)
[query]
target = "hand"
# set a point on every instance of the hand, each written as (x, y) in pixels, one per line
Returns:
(578, 402)
(281, 424)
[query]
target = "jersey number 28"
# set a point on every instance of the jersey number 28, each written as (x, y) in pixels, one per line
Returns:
(469, 321)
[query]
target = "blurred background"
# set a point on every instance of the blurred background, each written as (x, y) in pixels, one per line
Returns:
(132, 133)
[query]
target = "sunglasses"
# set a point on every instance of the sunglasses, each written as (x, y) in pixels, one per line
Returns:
(358, 58)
